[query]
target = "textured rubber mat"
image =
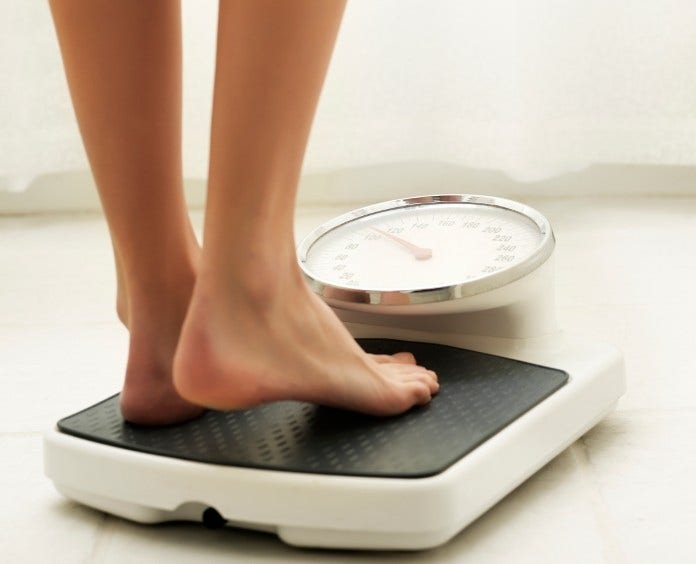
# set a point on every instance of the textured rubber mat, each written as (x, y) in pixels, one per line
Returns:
(479, 395)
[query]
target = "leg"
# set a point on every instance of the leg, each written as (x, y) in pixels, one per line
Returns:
(254, 331)
(123, 65)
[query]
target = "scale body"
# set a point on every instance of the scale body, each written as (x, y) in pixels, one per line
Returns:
(515, 392)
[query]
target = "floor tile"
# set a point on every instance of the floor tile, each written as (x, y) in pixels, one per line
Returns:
(57, 370)
(37, 525)
(644, 464)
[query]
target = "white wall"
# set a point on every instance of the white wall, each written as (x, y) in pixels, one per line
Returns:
(531, 89)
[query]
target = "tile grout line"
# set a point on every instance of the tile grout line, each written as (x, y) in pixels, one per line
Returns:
(20, 434)
(104, 528)
(102, 536)
(612, 547)
(656, 411)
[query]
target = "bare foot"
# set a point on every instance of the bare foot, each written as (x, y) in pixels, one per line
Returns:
(149, 396)
(237, 351)
(154, 321)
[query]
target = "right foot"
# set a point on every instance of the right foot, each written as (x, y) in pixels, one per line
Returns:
(235, 352)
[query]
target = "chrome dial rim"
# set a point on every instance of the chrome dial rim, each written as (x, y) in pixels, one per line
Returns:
(349, 295)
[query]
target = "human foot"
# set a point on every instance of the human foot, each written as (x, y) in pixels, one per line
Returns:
(237, 351)
(154, 321)
(148, 396)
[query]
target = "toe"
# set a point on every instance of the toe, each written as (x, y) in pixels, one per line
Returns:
(425, 377)
(420, 393)
(407, 372)
(398, 358)
(434, 386)
(404, 357)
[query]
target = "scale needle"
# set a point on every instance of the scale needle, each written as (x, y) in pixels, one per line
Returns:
(421, 253)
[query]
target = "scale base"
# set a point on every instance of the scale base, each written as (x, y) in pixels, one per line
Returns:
(319, 477)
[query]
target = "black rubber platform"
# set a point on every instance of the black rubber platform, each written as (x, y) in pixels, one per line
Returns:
(479, 395)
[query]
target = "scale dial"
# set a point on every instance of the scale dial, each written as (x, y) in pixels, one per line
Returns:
(424, 250)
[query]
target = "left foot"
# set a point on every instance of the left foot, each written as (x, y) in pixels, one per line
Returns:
(148, 396)
(154, 322)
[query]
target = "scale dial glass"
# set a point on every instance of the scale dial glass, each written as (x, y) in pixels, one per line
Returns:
(465, 244)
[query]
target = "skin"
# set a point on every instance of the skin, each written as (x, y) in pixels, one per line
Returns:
(233, 324)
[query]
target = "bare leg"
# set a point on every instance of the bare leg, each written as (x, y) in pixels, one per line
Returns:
(123, 64)
(254, 331)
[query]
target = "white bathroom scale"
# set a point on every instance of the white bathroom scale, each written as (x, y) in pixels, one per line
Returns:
(423, 275)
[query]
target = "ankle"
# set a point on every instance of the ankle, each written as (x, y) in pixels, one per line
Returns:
(161, 299)
(256, 284)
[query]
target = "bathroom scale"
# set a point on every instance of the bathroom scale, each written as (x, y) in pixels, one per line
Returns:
(465, 283)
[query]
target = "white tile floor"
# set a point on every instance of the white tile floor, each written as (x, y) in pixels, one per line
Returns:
(626, 273)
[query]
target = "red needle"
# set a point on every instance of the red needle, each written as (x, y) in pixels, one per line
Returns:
(421, 253)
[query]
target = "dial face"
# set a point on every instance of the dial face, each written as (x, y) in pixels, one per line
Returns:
(423, 246)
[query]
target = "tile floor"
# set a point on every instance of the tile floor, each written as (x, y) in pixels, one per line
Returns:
(626, 273)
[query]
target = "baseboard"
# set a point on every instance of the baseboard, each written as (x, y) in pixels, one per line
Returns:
(75, 191)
